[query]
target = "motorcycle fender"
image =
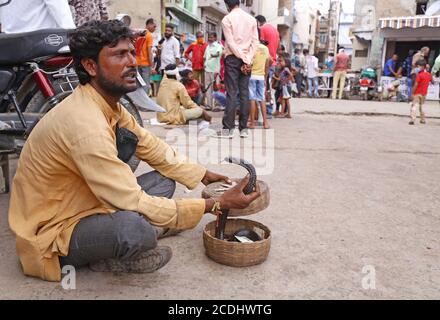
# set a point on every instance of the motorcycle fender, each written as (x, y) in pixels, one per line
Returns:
(143, 102)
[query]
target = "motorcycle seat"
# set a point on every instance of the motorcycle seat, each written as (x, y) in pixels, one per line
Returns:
(17, 48)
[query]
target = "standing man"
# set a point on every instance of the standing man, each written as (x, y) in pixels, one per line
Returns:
(32, 15)
(197, 49)
(312, 73)
(270, 35)
(212, 58)
(88, 10)
(144, 53)
(299, 63)
(169, 48)
(340, 73)
(241, 34)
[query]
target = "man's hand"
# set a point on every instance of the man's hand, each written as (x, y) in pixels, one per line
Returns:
(211, 177)
(236, 199)
(246, 69)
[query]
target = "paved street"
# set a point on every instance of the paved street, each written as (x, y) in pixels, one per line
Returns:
(353, 186)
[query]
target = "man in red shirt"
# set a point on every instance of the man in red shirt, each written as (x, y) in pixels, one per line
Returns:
(198, 49)
(340, 73)
(270, 34)
(420, 91)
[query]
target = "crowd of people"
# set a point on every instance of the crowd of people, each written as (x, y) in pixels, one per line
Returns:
(419, 76)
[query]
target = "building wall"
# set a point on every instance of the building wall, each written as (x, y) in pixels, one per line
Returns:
(305, 28)
(138, 10)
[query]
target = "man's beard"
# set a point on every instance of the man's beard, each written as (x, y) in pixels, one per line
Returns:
(167, 36)
(112, 87)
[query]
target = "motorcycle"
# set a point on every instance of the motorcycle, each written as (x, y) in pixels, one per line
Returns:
(36, 74)
(368, 85)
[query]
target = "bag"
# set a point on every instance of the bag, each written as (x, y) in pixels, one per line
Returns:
(138, 46)
(126, 143)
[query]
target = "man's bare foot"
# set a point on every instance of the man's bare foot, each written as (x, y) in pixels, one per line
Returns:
(266, 126)
(275, 114)
(288, 116)
(280, 115)
(251, 126)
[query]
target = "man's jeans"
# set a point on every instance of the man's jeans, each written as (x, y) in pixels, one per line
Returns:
(313, 84)
(145, 73)
(121, 235)
(237, 84)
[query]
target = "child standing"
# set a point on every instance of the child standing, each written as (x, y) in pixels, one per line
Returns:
(420, 90)
(285, 87)
(257, 84)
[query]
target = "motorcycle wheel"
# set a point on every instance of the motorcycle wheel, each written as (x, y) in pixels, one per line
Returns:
(38, 105)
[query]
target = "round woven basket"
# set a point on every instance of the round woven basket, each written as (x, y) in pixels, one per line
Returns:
(259, 204)
(236, 254)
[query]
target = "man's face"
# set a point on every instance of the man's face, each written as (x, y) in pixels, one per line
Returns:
(426, 52)
(168, 33)
(151, 27)
(395, 57)
(116, 68)
(212, 39)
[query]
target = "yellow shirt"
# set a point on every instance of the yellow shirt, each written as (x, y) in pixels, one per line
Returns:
(259, 65)
(172, 96)
(69, 170)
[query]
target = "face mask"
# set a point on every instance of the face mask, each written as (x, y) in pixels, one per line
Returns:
(200, 40)
(418, 70)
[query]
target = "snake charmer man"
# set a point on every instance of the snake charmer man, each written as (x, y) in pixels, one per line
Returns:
(74, 202)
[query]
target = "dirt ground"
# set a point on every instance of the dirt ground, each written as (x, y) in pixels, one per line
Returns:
(348, 192)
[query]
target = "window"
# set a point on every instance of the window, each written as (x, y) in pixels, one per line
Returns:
(188, 5)
(323, 38)
(248, 3)
(421, 7)
(310, 29)
(361, 53)
(210, 27)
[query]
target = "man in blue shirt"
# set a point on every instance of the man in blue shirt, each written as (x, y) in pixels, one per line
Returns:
(391, 68)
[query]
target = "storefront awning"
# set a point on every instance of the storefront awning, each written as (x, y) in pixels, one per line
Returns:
(366, 36)
(410, 22)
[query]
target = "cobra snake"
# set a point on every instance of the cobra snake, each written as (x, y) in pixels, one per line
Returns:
(222, 218)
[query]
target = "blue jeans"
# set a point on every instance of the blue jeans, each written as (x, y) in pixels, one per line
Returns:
(220, 97)
(409, 87)
(256, 90)
(313, 87)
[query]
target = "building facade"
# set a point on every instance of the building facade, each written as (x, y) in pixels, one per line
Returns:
(382, 28)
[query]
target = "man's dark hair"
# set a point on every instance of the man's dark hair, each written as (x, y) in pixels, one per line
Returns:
(283, 48)
(232, 3)
(89, 39)
(149, 21)
(169, 25)
(331, 54)
(261, 19)
(297, 51)
(421, 63)
(213, 34)
(306, 51)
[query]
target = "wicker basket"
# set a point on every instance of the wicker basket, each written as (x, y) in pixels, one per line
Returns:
(259, 204)
(236, 254)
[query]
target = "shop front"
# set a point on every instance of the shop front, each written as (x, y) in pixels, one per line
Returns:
(406, 35)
